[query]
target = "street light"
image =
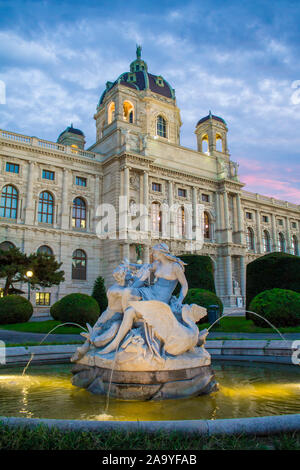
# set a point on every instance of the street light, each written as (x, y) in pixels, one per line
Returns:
(29, 274)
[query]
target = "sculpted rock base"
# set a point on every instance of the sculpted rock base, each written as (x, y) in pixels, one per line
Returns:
(142, 379)
(145, 385)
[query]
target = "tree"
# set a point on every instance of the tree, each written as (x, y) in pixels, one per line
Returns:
(14, 264)
(99, 293)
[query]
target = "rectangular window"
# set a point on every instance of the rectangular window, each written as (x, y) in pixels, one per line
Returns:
(205, 197)
(12, 167)
(80, 181)
(265, 218)
(249, 215)
(48, 175)
(181, 192)
(280, 222)
(294, 225)
(156, 187)
(42, 298)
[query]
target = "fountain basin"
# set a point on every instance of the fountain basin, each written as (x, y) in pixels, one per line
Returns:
(245, 390)
(145, 385)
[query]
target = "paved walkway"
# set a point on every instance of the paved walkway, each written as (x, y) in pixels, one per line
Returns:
(20, 337)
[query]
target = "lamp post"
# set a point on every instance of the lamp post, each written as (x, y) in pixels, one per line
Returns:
(29, 274)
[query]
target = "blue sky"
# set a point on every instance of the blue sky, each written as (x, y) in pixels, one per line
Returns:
(238, 58)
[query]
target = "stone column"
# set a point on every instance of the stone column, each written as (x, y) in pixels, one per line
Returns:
(124, 204)
(240, 219)
(243, 277)
(258, 243)
(274, 233)
(146, 254)
(288, 235)
(228, 270)
(171, 212)
(64, 201)
(218, 218)
(226, 218)
(29, 207)
(97, 200)
(146, 218)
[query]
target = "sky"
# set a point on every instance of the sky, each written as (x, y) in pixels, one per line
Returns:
(239, 59)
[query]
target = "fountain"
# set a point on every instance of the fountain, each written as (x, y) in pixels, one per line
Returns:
(146, 345)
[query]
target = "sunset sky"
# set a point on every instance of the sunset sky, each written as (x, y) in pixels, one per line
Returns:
(239, 59)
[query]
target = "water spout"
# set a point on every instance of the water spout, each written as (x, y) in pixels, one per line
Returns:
(46, 336)
(254, 313)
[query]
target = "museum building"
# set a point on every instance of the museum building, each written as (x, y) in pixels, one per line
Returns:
(51, 192)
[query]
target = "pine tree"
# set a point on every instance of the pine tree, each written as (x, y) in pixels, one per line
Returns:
(99, 293)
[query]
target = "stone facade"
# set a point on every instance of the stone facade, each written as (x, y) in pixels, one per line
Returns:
(137, 154)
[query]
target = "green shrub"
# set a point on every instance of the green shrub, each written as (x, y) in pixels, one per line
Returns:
(204, 298)
(275, 270)
(77, 308)
(15, 309)
(99, 293)
(280, 306)
(199, 272)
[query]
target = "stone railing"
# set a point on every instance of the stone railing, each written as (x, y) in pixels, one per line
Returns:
(36, 142)
(269, 200)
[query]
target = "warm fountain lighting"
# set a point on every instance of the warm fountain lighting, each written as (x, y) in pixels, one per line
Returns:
(29, 274)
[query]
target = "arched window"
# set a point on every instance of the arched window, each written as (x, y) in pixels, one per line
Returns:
(181, 222)
(219, 143)
(250, 239)
(281, 242)
(46, 208)
(295, 248)
(79, 213)
(156, 217)
(128, 112)
(46, 250)
(161, 126)
(5, 246)
(205, 148)
(266, 241)
(111, 112)
(79, 262)
(206, 232)
(9, 202)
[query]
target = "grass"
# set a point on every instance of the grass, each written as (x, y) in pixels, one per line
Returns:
(226, 325)
(42, 327)
(43, 438)
(36, 343)
(241, 325)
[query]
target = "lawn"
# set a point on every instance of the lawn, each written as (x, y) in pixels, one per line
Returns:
(42, 327)
(43, 438)
(241, 325)
(226, 325)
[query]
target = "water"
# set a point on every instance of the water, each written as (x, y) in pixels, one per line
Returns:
(46, 336)
(254, 313)
(245, 390)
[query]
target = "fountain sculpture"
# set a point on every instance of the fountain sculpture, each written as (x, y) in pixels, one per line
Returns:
(146, 345)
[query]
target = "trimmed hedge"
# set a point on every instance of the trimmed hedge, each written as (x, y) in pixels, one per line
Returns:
(77, 308)
(204, 298)
(199, 272)
(99, 293)
(280, 306)
(275, 270)
(15, 309)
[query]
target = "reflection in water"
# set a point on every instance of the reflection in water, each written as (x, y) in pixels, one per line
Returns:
(245, 390)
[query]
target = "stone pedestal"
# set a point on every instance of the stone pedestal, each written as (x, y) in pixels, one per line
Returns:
(176, 377)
